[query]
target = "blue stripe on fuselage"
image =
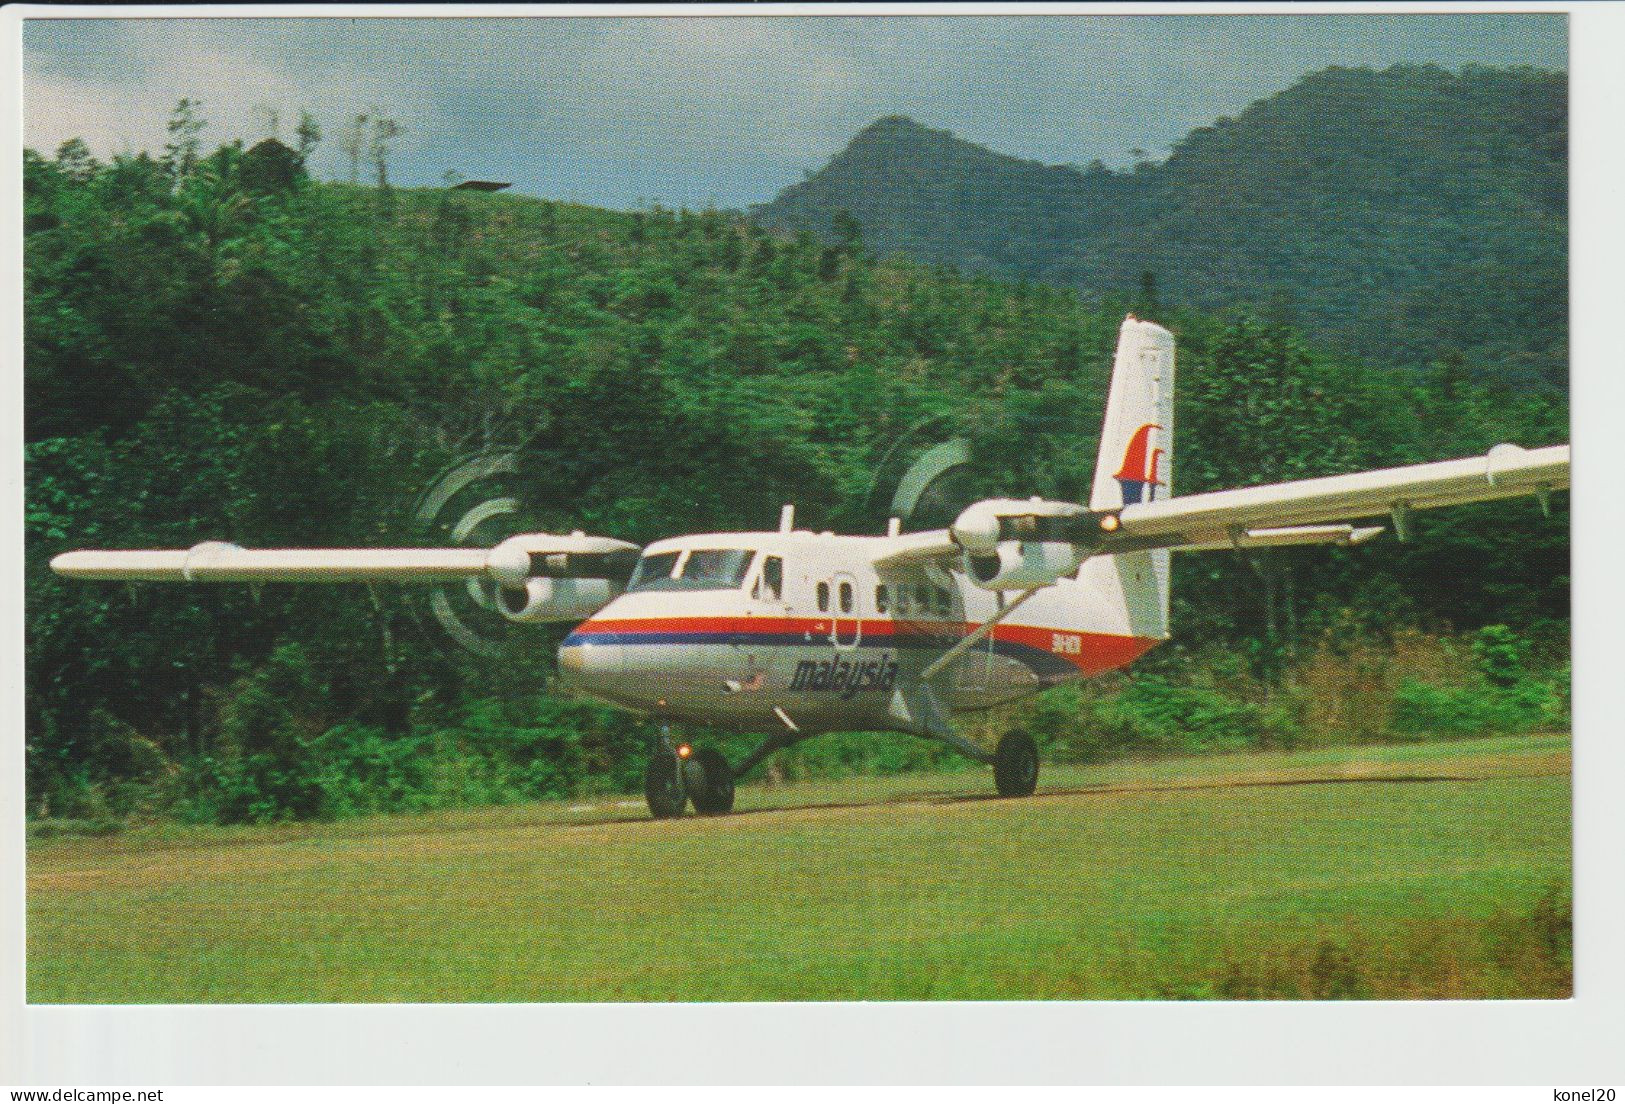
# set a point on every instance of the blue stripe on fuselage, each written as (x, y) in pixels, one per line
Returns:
(1041, 663)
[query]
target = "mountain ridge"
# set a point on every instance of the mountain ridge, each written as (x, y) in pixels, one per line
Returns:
(1406, 216)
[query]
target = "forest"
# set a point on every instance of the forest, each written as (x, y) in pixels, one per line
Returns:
(219, 346)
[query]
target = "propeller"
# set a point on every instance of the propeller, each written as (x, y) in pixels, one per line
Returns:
(935, 486)
(474, 503)
(930, 490)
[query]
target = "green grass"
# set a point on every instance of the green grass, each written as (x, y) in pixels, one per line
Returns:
(1436, 870)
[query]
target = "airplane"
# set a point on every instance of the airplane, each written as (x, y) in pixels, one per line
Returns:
(791, 633)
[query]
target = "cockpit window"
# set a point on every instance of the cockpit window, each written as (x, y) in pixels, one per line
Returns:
(715, 569)
(704, 569)
(653, 571)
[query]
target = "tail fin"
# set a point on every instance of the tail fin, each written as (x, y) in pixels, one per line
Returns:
(1135, 464)
(1137, 441)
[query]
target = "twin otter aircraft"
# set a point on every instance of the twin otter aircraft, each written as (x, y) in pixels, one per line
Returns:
(794, 633)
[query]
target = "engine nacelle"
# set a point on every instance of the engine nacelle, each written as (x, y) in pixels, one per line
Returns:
(544, 599)
(984, 525)
(1022, 565)
(520, 558)
(1018, 544)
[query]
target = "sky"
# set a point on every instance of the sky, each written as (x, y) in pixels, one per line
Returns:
(695, 110)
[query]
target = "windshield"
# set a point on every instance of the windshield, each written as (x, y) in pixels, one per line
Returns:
(705, 569)
(652, 570)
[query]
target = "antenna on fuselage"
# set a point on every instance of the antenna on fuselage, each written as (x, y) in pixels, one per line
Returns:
(787, 517)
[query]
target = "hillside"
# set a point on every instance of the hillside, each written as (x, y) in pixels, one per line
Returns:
(1406, 216)
(228, 352)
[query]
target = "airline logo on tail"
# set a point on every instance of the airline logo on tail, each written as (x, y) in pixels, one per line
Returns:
(1139, 470)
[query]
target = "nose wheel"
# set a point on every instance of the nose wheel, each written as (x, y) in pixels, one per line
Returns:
(663, 787)
(680, 775)
(710, 782)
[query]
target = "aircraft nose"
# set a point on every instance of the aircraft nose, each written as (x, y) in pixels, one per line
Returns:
(587, 658)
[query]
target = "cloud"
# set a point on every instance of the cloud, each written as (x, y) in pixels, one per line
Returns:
(115, 83)
(687, 108)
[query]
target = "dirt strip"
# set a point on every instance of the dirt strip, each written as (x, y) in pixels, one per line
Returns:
(70, 870)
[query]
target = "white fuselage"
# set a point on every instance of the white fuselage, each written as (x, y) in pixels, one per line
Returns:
(826, 638)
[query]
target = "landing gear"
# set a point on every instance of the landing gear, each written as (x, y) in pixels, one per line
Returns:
(680, 775)
(710, 782)
(1015, 765)
(663, 786)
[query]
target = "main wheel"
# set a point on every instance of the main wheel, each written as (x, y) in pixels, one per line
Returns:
(1015, 765)
(663, 787)
(710, 782)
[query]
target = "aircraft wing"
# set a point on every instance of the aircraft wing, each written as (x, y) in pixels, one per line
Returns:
(927, 546)
(1280, 510)
(938, 546)
(512, 562)
(1307, 511)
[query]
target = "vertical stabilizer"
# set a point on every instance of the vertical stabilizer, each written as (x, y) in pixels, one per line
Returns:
(1135, 463)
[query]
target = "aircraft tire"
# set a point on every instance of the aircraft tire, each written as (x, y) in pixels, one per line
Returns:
(1015, 765)
(663, 787)
(710, 782)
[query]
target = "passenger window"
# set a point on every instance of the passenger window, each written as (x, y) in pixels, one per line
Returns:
(773, 578)
(823, 597)
(880, 598)
(922, 598)
(944, 602)
(846, 597)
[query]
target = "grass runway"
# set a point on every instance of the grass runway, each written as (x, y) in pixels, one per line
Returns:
(1416, 871)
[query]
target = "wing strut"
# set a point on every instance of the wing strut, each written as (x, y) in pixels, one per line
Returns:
(971, 641)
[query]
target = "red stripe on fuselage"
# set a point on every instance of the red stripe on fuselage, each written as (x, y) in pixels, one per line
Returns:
(1095, 654)
(714, 624)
